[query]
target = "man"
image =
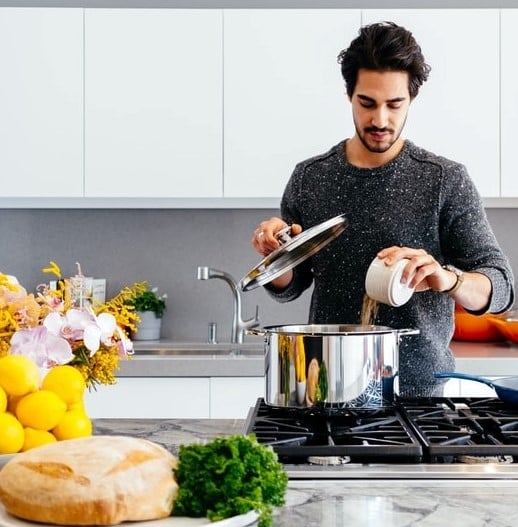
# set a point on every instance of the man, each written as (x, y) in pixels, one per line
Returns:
(401, 202)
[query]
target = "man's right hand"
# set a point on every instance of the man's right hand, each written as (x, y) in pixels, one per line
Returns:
(265, 241)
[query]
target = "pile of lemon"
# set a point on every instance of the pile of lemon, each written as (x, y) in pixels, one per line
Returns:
(32, 415)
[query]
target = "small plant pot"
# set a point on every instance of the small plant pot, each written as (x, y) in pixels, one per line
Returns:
(149, 326)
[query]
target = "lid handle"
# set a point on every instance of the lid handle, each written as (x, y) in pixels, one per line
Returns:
(284, 235)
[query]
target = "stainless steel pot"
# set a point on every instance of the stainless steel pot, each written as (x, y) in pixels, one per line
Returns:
(334, 366)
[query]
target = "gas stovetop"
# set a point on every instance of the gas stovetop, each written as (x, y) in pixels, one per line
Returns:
(418, 438)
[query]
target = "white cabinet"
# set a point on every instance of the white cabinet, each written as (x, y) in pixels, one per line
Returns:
(452, 388)
(175, 397)
(509, 91)
(153, 103)
(284, 95)
(41, 102)
(464, 388)
(222, 103)
(475, 389)
(456, 113)
(151, 397)
(232, 397)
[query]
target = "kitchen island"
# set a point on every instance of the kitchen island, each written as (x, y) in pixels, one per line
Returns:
(345, 502)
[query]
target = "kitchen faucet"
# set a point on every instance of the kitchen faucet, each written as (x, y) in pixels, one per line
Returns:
(239, 326)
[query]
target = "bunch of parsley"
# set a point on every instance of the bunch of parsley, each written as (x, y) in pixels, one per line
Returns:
(227, 477)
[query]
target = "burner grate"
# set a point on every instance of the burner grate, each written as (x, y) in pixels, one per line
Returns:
(363, 435)
(463, 426)
(430, 430)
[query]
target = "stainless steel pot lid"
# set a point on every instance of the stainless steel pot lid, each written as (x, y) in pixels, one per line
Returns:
(293, 252)
(318, 330)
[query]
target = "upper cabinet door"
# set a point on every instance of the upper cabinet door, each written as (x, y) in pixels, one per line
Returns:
(153, 103)
(456, 113)
(41, 102)
(509, 102)
(285, 98)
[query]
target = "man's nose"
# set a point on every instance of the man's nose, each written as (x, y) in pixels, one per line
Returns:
(379, 117)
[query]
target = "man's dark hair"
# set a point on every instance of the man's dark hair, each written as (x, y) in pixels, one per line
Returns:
(384, 46)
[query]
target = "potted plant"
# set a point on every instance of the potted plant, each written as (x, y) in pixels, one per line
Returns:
(150, 307)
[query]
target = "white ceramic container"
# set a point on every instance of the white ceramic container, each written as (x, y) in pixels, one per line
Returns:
(383, 283)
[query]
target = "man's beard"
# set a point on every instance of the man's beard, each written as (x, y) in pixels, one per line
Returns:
(377, 147)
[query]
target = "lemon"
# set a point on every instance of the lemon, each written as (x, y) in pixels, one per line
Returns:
(19, 375)
(74, 424)
(11, 434)
(79, 405)
(34, 438)
(42, 410)
(12, 402)
(3, 400)
(67, 382)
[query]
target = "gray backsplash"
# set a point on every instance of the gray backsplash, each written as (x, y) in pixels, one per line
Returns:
(165, 248)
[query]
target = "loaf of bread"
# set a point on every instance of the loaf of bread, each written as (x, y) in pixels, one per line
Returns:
(96, 480)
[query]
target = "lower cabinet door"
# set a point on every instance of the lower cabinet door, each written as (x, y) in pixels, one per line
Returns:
(475, 389)
(232, 397)
(151, 397)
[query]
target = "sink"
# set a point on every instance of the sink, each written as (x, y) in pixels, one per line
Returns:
(172, 348)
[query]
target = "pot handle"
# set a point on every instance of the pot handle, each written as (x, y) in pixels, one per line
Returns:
(401, 332)
(256, 331)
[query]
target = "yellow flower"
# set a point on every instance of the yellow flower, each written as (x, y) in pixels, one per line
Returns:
(54, 269)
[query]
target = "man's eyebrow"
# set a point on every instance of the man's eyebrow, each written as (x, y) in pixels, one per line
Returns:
(365, 98)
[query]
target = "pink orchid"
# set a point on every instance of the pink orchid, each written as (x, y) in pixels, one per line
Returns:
(125, 344)
(13, 292)
(40, 345)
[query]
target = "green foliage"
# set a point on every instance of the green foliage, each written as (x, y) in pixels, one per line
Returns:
(149, 300)
(322, 387)
(227, 477)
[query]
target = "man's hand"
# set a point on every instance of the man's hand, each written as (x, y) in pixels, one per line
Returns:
(424, 272)
(264, 239)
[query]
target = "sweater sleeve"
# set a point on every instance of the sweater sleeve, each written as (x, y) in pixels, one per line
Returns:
(302, 275)
(468, 241)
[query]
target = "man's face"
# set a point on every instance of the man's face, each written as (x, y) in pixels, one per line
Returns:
(380, 105)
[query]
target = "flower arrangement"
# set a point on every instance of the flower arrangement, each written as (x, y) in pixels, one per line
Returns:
(51, 329)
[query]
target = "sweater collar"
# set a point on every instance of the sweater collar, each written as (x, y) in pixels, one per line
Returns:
(400, 160)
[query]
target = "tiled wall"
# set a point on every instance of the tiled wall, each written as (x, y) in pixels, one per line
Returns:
(165, 247)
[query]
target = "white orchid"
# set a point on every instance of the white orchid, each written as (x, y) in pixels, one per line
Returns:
(84, 325)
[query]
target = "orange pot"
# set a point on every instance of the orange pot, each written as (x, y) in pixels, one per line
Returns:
(480, 328)
(507, 324)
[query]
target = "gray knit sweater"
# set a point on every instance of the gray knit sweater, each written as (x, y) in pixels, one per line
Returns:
(418, 200)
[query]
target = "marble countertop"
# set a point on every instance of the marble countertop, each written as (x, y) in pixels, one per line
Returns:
(358, 503)
(478, 358)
